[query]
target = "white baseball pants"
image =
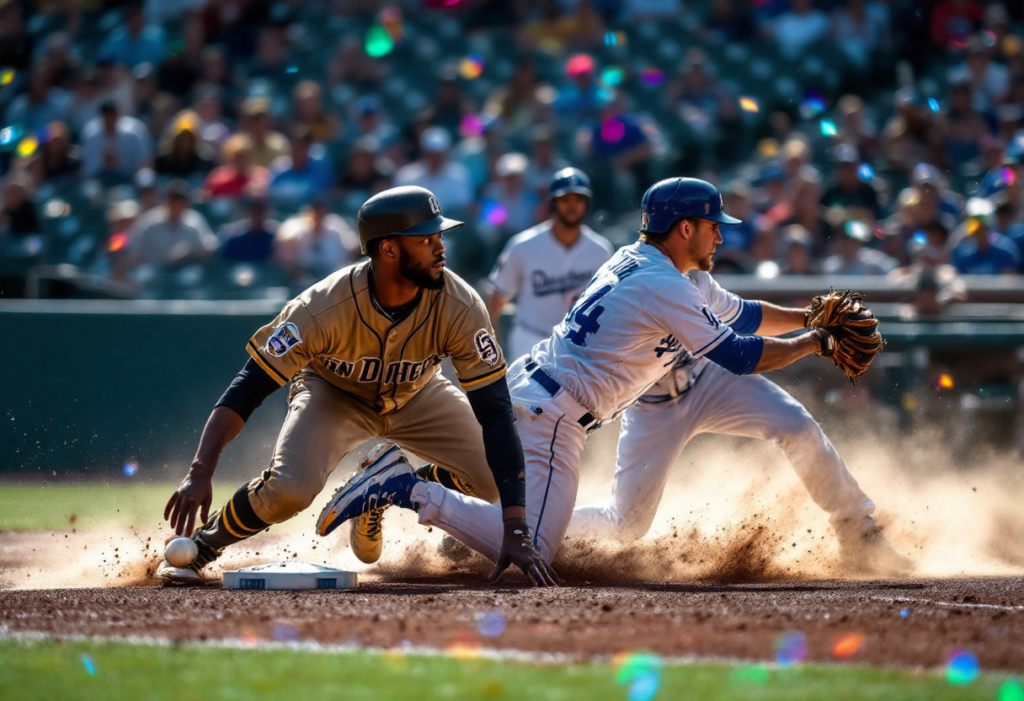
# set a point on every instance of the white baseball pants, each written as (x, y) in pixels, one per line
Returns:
(653, 436)
(521, 341)
(553, 442)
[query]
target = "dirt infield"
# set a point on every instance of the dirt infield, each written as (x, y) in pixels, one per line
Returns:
(905, 624)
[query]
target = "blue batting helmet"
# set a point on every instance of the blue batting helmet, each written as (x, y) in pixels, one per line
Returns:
(668, 201)
(570, 180)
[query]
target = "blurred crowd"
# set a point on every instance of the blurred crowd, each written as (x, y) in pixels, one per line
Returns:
(218, 148)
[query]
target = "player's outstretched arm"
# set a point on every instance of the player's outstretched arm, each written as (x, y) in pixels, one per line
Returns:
(780, 352)
(492, 407)
(247, 391)
(776, 320)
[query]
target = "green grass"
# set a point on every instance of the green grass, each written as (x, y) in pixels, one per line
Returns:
(51, 506)
(50, 670)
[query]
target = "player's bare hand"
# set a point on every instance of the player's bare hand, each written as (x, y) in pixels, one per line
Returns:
(517, 549)
(195, 493)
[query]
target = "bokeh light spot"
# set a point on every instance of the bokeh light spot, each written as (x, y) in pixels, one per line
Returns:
(790, 648)
(7, 76)
(848, 645)
(946, 381)
(471, 125)
(756, 675)
(640, 673)
(1008, 176)
(904, 613)
(87, 663)
(612, 76)
(612, 130)
(933, 104)
(464, 647)
(471, 67)
(866, 173)
(391, 20)
(615, 38)
(749, 104)
(962, 668)
(117, 242)
(1011, 691)
(130, 468)
(828, 128)
(378, 42)
(249, 638)
(491, 623)
(579, 64)
(495, 214)
(652, 76)
(812, 104)
(28, 146)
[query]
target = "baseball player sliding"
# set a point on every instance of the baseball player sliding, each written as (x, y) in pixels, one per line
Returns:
(361, 349)
(546, 267)
(649, 308)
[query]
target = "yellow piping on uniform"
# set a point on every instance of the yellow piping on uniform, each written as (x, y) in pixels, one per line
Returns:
(492, 376)
(280, 379)
(238, 521)
(224, 519)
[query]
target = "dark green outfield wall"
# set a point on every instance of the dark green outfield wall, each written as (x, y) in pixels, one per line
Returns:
(87, 386)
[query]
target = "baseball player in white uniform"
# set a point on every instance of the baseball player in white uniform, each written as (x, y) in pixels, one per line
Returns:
(640, 315)
(546, 267)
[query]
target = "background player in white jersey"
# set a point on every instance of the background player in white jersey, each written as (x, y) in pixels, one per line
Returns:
(700, 396)
(546, 267)
(637, 317)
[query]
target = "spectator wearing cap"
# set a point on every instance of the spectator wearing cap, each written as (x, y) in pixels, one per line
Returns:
(518, 103)
(508, 195)
(953, 22)
(451, 107)
(267, 144)
(479, 152)
(935, 194)
(582, 98)
(115, 146)
(983, 251)
(963, 127)
(552, 31)
(736, 197)
(39, 104)
(315, 243)
(168, 236)
(308, 110)
(620, 147)
(544, 161)
(847, 189)
(796, 248)
(854, 257)
(856, 128)
(121, 216)
(213, 131)
(797, 156)
(449, 181)
(1007, 220)
(181, 154)
(366, 172)
(909, 136)
(861, 29)
(58, 157)
(239, 175)
(305, 174)
(18, 216)
(135, 41)
(799, 28)
(249, 240)
(990, 80)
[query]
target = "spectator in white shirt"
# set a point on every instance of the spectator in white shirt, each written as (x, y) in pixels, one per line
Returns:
(115, 146)
(315, 243)
(449, 181)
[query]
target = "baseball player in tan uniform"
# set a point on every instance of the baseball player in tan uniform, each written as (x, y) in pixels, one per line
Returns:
(361, 349)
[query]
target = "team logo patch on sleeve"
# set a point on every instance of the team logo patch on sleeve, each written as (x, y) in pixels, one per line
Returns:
(285, 337)
(486, 347)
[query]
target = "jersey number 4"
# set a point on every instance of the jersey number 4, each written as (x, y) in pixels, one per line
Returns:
(582, 318)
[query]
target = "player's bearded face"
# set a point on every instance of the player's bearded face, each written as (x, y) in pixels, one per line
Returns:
(704, 241)
(421, 261)
(570, 209)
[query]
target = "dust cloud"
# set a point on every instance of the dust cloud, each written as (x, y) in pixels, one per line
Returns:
(733, 511)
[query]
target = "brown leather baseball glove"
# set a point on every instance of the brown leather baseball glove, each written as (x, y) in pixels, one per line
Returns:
(854, 327)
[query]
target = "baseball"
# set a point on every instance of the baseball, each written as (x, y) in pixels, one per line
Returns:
(181, 552)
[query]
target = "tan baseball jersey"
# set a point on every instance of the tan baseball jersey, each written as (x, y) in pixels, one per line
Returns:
(336, 330)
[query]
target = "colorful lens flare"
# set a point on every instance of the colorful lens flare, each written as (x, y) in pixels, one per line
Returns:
(7, 76)
(491, 623)
(471, 67)
(866, 173)
(749, 104)
(495, 214)
(933, 104)
(613, 130)
(640, 673)
(962, 668)
(846, 646)
(612, 76)
(945, 382)
(828, 128)
(130, 468)
(652, 76)
(615, 38)
(1011, 691)
(87, 662)
(378, 42)
(791, 648)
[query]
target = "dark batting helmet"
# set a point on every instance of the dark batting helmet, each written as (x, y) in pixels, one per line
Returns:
(569, 180)
(401, 211)
(668, 201)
